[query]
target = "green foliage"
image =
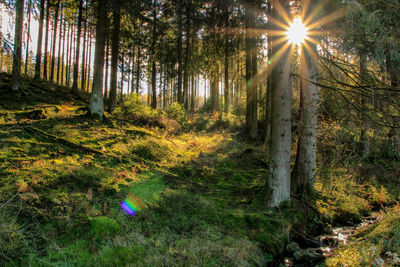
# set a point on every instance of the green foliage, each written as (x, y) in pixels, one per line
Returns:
(177, 112)
(133, 107)
(103, 226)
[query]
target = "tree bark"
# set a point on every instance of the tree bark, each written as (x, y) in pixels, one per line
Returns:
(303, 175)
(28, 37)
(39, 42)
(179, 50)
(77, 48)
(59, 46)
(96, 99)
(53, 57)
(16, 67)
(83, 73)
(114, 56)
(46, 41)
(278, 184)
(63, 54)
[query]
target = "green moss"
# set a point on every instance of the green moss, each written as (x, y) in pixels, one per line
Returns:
(103, 226)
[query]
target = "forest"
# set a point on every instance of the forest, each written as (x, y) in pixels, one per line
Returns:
(199, 133)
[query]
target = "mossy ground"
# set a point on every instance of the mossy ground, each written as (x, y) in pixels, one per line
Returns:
(201, 189)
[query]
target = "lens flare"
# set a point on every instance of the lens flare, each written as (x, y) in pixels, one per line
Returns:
(131, 204)
(297, 32)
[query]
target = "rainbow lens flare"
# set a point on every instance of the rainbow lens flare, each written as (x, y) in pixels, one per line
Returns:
(131, 204)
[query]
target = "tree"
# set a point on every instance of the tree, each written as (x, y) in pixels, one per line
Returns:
(115, 36)
(96, 99)
(303, 175)
(251, 71)
(77, 49)
(278, 184)
(16, 67)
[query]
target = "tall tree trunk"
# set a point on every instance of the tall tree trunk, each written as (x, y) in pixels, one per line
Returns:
(89, 65)
(38, 62)
(193, 95)
(88, 57)
(96, 99)
(71, 44)
(46, 40)
(77, 48)
(63, 53)
(83, 74)
(107, 60)
(67, 55)
(53, 58)
(214, 92)
(268, 121)
(303, 175)
(114, 55)
(16, 66)
(137, 71)
(179, 50)
(28, 37)
(59, 46)
(278, 184)
(186, 63)
(226, 62)
(251, 73)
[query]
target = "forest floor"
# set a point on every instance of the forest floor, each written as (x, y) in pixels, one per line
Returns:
(198, 184)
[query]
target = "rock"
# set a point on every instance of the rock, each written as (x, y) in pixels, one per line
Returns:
(378, 262)
(305, 255)
(396, 260)
(293, 247)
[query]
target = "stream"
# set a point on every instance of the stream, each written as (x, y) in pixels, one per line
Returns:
(322, 247)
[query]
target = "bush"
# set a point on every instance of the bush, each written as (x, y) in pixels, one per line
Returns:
(135, 108)
(176, 112)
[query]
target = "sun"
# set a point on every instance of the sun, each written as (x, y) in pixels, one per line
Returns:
(297, 32)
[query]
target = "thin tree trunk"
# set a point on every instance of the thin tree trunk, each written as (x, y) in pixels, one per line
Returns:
(77, 49)
(107, 60)
(179, 50)
(46, 41)
(67, 55)
(89, 66)
(278, 184)
(28, 37)
(59, 46)
(70, 55)
(96, 99)
(83, 74)
(53, 57)
(115, 38)
(63, 54)
(16, 66)
(138, 71)
(38, 62)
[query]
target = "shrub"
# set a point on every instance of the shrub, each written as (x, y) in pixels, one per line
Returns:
(176, 112)
(103, 226)
(135, 108)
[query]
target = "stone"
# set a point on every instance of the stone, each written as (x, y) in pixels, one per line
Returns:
(293, 247)
(310, 254)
